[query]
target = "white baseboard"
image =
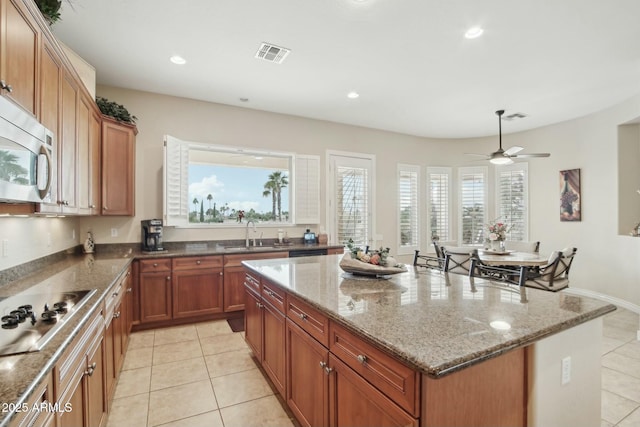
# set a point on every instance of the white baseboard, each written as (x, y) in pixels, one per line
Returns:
(603, 297)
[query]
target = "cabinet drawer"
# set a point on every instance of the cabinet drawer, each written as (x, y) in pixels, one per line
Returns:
(252, 282)
(74, 358)
(308, 318)
(274, 294)
(115, 294)
(158, 264)
(235, 260)
(196, 262)
(393, 378)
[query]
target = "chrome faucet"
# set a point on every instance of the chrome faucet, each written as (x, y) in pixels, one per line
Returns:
(247, 234)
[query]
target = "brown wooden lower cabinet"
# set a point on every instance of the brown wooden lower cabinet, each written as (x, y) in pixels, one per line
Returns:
(307, 391)
(355, 402)
(197, 292)
(253, 322)
(42, 395)
(79, 379)
(155, 296)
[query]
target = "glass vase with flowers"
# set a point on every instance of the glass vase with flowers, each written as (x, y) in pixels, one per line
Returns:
(497, 234)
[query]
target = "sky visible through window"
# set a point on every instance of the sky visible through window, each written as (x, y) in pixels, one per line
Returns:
(239, 188)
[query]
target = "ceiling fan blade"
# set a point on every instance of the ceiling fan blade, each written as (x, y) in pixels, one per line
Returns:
(522, 156)
(513, 150)
(476, 154)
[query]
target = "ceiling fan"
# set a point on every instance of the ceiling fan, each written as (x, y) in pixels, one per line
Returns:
(504, 157)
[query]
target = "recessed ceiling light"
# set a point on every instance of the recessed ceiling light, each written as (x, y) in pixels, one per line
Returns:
(178, 60)
(353, 95)
(473, 32)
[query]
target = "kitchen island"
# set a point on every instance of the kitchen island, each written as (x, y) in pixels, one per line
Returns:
(440, 349)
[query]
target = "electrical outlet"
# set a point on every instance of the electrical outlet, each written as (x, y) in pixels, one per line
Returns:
(566, 370)
(73, 234)
(114, 232)
(5, 248)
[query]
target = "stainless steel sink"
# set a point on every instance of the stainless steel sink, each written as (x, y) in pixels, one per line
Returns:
(244, 248)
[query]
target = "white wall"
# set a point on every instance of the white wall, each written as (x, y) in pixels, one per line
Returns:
(606, 263)
(34, 237)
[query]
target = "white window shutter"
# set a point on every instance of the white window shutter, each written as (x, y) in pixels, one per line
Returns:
(512, 199)
(176, 182)
(408, 208)
(473, 199)
(307, 189)
(439, 202)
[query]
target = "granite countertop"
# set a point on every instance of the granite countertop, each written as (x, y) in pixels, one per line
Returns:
(20, 374)
(436, 322)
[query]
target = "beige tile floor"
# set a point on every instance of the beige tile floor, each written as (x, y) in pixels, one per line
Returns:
(193, 375)
(203, 374)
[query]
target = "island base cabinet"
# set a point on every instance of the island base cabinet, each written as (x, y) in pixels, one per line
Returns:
(41, 398)
(491, 393)
(253, 323)
(354, 402)
(307, 377)
(273, 354)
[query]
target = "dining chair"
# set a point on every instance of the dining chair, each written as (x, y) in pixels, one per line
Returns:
(554, 275)
(435, 262)
(513, 245)
(515, 275)
(457, 259)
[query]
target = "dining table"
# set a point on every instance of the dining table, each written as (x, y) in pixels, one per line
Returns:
(513, 258)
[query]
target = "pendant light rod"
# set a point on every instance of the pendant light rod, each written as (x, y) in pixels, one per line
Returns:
(499, 113)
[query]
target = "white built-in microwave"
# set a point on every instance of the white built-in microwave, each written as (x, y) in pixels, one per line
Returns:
(27, 156)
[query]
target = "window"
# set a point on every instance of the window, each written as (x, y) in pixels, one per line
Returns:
(409, 208)
(512, 199)
(473, 195)
(212, 185)
(351, 192)
(439, 203)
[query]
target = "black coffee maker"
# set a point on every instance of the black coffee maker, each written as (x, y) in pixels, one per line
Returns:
(151, 235)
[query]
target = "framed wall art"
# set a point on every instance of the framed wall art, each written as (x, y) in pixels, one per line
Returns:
(570, 203)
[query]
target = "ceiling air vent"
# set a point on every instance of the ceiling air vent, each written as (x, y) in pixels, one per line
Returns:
(272, 53)
(514, 116)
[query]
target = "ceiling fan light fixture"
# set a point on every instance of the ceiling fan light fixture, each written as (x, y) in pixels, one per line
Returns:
(500, 160)
(473, 32)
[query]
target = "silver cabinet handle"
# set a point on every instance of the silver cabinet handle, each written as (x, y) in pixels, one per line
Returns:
(90, 369)
(5, 86)
(115, 294)
(268, 292)
(198, 262)
(129, 290)
(92, 206)
(326, 368)
(362, 358)
(221, 273)
(116, 315)
(259, 305)
(168, 277)
(302, 316)
(155, 264)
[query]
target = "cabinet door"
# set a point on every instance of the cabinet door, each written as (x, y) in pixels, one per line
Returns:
(118, 168)
(110, 373)
(253, 323)
(50, 75)
(307, 390)
(67, 146)
(83, 164)
(355, 402)
(18, 58)
(95, 146)
(75, 398)
(155, 297)
(234, 288)
(273, 357)
(197, 292)
(96, 403)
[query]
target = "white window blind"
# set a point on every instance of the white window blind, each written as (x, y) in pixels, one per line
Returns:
(409, 208)
(352, 198)
(176, 182)
(473, 191)
(439, 203)
(307, 189)
(512, 199)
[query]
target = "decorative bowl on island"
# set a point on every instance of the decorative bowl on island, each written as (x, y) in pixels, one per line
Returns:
(355, 266)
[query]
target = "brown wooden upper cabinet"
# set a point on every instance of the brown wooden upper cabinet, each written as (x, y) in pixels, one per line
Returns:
(118, 167)
(19, 54)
